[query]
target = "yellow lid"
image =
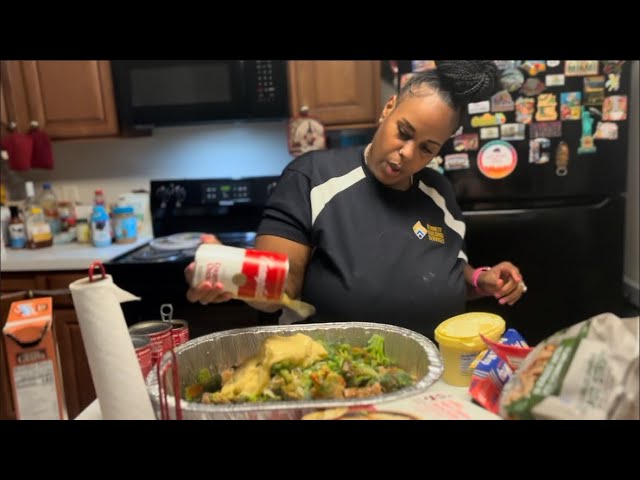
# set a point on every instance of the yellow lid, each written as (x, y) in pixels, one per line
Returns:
(463, 331)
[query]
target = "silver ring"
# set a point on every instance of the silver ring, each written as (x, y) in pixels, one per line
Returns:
(522, 286)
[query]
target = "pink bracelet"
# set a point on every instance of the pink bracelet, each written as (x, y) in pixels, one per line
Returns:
(475, 276)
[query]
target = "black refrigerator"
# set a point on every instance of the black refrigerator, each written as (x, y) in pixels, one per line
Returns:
(544, 187)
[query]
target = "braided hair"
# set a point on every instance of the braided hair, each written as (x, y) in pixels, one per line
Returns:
(457, 82)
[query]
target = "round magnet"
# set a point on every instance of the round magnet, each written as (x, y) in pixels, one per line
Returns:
(497, 159)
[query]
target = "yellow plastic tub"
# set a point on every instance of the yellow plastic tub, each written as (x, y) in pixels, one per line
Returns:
(460, 342)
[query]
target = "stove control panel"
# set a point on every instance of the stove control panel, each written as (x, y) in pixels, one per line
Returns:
(226, 193)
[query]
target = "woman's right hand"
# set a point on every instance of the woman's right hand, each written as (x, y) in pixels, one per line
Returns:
(205, 292)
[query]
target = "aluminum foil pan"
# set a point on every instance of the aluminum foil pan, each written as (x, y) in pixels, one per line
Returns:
(219, 351)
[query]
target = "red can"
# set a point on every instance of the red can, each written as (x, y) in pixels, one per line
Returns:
(247, 273)
(179, 332)
(159, 334)
(142, 346)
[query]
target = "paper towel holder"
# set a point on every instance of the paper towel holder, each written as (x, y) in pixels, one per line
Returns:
(161, 373)
(93, 266)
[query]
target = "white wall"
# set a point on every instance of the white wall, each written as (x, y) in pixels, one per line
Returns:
(632, 237)
(206, 151)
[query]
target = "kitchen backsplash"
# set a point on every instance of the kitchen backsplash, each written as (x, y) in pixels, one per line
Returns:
(123, 164)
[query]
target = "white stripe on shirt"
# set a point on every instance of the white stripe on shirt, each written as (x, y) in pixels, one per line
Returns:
(323, 193)
(455, 225)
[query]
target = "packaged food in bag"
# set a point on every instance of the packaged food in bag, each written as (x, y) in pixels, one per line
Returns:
(587, 371)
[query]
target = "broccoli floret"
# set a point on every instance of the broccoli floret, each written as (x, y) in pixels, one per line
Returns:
(375, 348)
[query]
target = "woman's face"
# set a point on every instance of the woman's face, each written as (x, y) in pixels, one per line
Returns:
(409, 137)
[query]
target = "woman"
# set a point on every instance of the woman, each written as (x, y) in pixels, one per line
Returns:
(373, 235)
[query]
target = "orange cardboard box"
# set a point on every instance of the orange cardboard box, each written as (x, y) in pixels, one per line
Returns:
(32, 356)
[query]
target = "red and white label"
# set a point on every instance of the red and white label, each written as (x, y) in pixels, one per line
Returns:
(145, 359)
(246, 273)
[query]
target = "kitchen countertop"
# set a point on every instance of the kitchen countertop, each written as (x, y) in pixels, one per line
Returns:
(68, 256)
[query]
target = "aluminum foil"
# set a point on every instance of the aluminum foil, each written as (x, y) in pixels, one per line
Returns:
(218, 351)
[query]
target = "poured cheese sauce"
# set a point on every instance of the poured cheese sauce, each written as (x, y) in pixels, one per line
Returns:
(251, 378)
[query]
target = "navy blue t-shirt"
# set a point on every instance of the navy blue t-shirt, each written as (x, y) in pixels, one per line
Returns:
(378, 254)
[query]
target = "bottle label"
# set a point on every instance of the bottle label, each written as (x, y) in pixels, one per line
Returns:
(17, 235)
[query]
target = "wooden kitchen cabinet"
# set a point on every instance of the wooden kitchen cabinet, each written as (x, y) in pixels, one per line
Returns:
(68, 98)
(341, 93)
(76, 376)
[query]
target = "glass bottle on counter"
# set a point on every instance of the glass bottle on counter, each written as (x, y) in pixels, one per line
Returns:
(17, 234)
(38, 230)
(49, 203)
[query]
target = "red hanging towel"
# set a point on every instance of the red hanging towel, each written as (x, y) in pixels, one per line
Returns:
(19, 147)
(42, 150)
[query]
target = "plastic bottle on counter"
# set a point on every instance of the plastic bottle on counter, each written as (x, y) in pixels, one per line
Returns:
(17, 233)
(38, 230)
(98, 197)
(49, 204)
(100, 227)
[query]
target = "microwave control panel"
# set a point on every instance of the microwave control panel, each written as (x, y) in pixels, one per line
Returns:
(267, 88)
(265, 85)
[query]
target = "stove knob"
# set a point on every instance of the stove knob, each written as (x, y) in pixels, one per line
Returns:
(164, 194)
(181, 194)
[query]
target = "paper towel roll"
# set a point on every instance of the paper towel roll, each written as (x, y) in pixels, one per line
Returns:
(115, 370)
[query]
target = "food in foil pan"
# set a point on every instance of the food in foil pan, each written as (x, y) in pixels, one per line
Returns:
(297, 367)
(587, 371)
(205, 360)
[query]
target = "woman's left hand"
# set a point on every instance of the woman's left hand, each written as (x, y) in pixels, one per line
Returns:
(504, 282)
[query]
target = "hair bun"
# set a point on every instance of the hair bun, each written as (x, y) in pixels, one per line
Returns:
(469, 80)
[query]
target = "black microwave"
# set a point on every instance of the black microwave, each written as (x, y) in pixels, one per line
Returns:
(178, 92)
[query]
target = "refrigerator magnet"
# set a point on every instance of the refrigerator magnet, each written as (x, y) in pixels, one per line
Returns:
(497, 159)
(533, 87)
(586, 140)
(553, 63)
(580, 68)
(606, 131)
(554, 80)
(488, 133)
(456, 161)
(570, 105)
(436, 164)
(466, 142)
(534, 67)
(479, 107)
(613, 82)
(547, 108)
(612, 66)
(506, 64)
(538, 151)
(545, 130)
(524, 109)
(562, 159)
(487, 120)
(594, 90)
(614, 108)
(512, 79)
(502, 102)
(512, 131)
